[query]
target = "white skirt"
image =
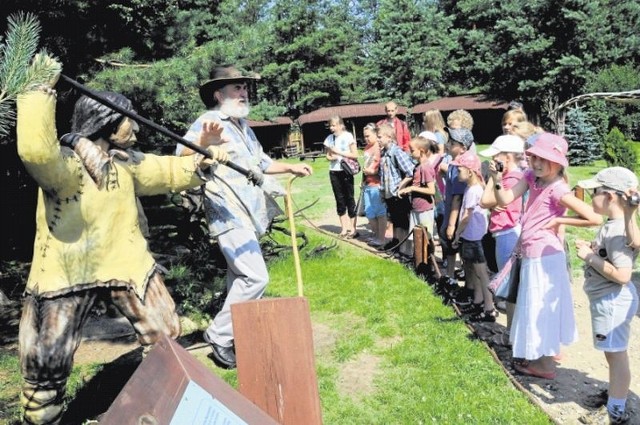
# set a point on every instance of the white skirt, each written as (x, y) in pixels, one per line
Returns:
(543, 317)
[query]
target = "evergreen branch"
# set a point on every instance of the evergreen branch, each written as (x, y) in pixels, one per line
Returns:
(18, 71)
(43, 69)
(20, 46)
(7, 117)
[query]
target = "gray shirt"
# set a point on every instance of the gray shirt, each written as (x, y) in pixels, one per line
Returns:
(610, 244)
(232, 202)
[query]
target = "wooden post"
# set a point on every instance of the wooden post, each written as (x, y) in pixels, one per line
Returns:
(276, 364)
(274, 350)
(420, 247)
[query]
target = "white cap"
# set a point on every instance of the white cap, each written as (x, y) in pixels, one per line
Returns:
(616, 178)
(506, 143)
(429, 135)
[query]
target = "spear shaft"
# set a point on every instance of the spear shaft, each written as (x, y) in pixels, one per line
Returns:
(165, 131)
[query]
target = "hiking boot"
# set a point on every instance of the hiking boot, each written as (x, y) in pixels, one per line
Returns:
(484, 316)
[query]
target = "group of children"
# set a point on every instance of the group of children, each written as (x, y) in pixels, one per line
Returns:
(522, 200)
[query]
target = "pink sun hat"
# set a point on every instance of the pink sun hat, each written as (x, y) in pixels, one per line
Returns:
(550, 147)
(469, 160)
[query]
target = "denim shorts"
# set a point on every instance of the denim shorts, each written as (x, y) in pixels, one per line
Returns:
(374, 205)
(611, 319)
(472, 252)
(505, 243)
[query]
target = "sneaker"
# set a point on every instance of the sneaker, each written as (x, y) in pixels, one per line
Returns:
(601, 416)
(463, 300)
(502, 339)
(463, 294)
(459, 274)
(484, 316)
(618, 417)
(472, 308)
(501, 306)
(374, 243)
(391, 244)
(403, 258)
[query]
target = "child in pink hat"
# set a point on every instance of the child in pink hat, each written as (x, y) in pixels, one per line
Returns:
(543, 318)
(472, 226)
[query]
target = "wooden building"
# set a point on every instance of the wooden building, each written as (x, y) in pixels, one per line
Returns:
(486, 113)
(355, 116)
(273, 135)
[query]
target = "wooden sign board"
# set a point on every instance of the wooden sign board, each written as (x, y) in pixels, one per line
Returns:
(276, 363)
(174, 388)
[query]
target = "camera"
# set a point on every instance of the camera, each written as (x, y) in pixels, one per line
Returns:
(499, 166)
(632, 200)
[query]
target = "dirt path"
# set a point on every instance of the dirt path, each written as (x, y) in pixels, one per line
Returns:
(582, 371)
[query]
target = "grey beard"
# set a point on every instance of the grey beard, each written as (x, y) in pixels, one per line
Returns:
(234, 111)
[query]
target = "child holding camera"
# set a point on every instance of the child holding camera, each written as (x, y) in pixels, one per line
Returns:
(608, 266)
(543, 319)
(504, 222)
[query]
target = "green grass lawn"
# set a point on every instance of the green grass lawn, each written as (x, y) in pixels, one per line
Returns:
(422, 364)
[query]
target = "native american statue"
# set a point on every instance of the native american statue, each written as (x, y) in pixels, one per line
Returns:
(89, 243)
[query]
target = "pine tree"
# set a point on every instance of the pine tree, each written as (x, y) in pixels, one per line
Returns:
(409, 55)
(584, 147)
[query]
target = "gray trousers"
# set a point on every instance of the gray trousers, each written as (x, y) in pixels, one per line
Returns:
(247, 278)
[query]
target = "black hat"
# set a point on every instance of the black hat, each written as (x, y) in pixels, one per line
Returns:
(92, 119)
(222, 76)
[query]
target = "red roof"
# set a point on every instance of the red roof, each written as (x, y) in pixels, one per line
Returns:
(348, 111)
(275, 122)
(459, 102)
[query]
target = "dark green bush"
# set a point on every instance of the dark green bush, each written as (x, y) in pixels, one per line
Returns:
(618, 150)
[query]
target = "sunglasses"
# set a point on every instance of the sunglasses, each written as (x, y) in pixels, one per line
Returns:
(599, 190)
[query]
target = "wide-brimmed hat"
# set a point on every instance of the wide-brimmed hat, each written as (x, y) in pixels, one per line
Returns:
(550, 147)
(505, 143)
(616, 178)
(222, 76)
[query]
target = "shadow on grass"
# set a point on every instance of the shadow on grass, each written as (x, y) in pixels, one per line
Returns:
(98, 394)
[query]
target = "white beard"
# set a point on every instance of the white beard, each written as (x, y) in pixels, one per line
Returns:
(230, 108)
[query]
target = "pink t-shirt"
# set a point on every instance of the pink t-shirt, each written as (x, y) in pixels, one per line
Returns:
(372, 159)
(536, 241)
(507, 217)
